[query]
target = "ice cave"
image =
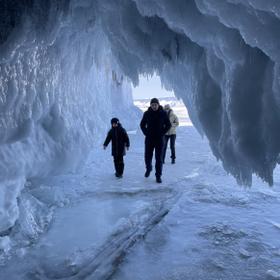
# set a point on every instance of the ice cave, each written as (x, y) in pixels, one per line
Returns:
(68, 66)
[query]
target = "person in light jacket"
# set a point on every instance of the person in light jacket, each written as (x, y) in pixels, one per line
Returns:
(120, 142)
(171, 134)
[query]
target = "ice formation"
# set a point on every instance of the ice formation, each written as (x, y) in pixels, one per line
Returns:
(221, 58)
(59, 87)
(66, 66)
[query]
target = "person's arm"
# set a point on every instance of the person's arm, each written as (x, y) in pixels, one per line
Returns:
(126, 139)
(108, 139)
(176, 120)
(167, 123)
(143, 124)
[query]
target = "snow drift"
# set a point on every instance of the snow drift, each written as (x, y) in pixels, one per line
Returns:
(65, 68)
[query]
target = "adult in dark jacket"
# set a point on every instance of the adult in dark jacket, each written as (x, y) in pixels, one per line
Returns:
(154, 124)
(120, 140)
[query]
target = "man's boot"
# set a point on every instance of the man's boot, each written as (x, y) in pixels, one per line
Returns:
(173, 161)
(158, 179)
(118, 175)
(147, 173)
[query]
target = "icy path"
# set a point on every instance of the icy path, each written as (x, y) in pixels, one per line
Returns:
(198, 224)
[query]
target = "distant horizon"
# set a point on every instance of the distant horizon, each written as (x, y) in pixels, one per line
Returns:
(162, 97)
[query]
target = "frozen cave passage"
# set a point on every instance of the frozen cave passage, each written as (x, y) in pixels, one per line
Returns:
(66, 67)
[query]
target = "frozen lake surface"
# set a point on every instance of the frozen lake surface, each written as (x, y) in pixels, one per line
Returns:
(197, 224)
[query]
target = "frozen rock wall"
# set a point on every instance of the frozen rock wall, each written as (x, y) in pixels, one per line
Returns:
(59, 88)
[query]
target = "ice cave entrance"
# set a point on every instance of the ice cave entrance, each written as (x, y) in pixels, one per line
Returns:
(150, 87)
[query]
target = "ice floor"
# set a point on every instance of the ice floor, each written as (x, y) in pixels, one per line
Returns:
(197, 224)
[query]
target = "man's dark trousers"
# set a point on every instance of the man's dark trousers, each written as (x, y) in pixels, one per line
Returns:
(119, 164)
(151, 145)
(172, 138)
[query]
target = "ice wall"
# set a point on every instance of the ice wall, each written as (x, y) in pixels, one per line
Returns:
(220, 57)
(59, 88)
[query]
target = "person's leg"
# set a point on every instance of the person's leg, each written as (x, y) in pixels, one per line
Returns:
(116, 166)
(158, 154)
(121, 165)
(172, 147)
(166, 138)
(149, 148)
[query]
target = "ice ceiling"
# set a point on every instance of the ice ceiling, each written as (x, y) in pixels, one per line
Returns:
(66, 67)
(220, 57)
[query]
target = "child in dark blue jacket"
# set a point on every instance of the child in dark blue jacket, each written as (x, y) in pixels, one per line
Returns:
(120, 142)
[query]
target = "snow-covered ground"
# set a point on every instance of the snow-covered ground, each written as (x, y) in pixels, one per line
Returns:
(197, 224)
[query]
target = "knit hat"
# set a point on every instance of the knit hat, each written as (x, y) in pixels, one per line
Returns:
(167, 107)
(115, 120)
(154, 100)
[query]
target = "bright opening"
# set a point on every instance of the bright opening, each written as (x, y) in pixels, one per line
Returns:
(150, 87)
